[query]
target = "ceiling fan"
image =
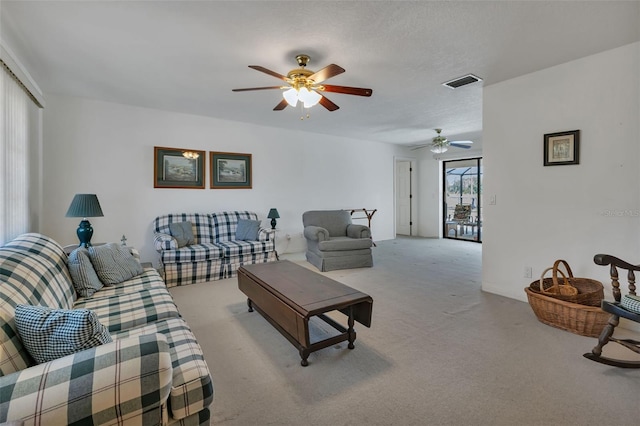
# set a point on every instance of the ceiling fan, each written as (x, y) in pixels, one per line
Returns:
(304, 86)
(440, 144)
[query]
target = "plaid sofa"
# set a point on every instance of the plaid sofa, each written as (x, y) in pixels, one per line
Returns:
(153, 373)
(216, 254)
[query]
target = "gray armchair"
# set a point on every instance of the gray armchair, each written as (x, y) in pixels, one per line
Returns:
(333, 242)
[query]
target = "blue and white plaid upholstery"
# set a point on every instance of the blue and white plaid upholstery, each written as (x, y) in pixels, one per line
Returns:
(201, 225)
(127, 381)
(192, 388)
(32, 272)
(216, 254)
(129, 310)
(153, 373)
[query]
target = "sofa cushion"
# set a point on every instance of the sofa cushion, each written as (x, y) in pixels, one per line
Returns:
(192, 388)
(50, 334)
(247, 230)
(182, 232)
(148, 280)
(114, 263)
(200, 222)
(85, 279)
(128, 310)
(240, 248)
(192, 253)
(224, 224)
(344, 243)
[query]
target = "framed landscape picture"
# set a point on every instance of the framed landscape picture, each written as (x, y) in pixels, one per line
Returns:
(562, 148)
(230, 170)
(178, 168)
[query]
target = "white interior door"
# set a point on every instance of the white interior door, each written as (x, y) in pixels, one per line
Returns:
(403, 197)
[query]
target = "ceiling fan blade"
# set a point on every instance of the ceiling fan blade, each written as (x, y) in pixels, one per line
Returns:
(328, 104)
(267, 71)
(326, 73)
(413, 148)
(256, 88)
(348, 90)
(282, 105)
(461, 144)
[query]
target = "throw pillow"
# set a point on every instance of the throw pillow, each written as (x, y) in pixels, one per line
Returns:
(114, 263)
(247, 230)
(50, 334)
(84, 277)
(182, 232)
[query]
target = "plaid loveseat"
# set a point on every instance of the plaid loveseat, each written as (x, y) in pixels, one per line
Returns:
(215, 253)
(153, 373)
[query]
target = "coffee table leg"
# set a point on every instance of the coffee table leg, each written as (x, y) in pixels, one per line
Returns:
(304, 355)
(350, 332)
(249, 305)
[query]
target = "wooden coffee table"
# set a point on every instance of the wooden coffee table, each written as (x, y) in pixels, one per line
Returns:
(290, 296)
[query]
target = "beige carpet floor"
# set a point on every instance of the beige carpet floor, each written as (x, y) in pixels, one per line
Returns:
(439, 352)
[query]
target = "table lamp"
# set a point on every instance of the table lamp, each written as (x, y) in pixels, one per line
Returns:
(273, 215)
(84, 206)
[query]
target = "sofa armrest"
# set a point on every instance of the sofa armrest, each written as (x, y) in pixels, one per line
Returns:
(266, 234)
(110, 383)
(358, 231)
(164, 242)
(316, 233)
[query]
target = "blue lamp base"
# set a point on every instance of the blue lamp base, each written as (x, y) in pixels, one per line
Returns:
(85, 232)
(273, 223)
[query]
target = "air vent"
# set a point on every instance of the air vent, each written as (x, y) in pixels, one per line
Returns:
(462, 81)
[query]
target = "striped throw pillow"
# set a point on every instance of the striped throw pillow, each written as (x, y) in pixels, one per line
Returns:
(84, 277)
(114, 263)
(50, 334)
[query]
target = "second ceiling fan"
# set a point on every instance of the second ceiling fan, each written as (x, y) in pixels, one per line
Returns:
(305, 86)
(441, 144)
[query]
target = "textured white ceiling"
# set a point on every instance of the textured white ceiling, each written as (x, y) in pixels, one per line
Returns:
(187, 56)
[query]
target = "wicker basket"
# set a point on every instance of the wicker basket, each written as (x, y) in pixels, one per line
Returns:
(574, 317)
(590, 292)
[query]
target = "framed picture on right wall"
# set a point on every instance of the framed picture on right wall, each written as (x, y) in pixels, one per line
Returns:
(562, 148)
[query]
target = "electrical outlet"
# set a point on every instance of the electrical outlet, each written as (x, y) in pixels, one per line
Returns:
(492, 200)
(527, 271)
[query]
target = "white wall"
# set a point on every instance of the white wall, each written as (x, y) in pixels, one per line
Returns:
(107, 149)
(571, 212)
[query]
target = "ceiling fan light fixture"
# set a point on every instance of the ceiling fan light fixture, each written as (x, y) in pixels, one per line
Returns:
(439, 149)
(291, 96)
(309, 97)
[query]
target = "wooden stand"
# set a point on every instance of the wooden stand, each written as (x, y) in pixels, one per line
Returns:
(368, 214)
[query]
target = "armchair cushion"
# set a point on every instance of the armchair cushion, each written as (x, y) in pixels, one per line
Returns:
(50, 334)
(247, 230)
(334, 221)
(344, 243)
(182, 232)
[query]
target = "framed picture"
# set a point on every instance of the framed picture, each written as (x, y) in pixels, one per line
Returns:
(230, 170)
(178, 168)
(561, 148)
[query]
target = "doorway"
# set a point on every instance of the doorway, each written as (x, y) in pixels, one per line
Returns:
(404, 197)
(462, 193)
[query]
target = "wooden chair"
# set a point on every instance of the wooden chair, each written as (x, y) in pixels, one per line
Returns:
(617, 311)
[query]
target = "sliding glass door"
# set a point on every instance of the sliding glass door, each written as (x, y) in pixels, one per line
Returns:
(462, 192)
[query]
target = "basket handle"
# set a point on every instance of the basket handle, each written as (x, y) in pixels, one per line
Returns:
(555, 281)
(566, 268)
